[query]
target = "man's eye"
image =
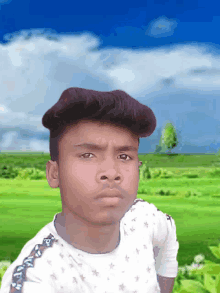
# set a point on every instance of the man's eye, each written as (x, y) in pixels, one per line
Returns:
(93, 155)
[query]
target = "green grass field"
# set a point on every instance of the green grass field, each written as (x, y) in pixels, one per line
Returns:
(27, 206)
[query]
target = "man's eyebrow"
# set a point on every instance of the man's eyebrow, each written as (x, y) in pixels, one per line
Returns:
(92, 146)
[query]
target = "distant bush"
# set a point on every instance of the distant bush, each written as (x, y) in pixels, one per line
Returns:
(147, 173)
(30, 174)
(215, 173)
(9, 172)
(191, 175)
(192, 193)
(161, 173)
(164, 192)
(144, 172)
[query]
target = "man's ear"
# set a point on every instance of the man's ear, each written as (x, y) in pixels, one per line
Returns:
(140, 163)
(52, 174)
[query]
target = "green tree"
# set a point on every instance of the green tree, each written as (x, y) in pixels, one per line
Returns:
(161, 148)
(169, 137)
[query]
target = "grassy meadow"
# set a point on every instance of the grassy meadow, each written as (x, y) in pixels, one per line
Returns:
(190, 194)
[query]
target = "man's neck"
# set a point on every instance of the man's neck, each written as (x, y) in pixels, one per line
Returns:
(82, 242)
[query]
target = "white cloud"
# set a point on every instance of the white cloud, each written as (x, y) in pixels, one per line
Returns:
(4, 109)
(37, 70)
(161, 27)
(8, 138)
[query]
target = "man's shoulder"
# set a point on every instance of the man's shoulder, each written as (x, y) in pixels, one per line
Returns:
(29, 256)
(141, 205)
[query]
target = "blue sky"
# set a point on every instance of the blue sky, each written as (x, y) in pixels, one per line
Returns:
(163, 53)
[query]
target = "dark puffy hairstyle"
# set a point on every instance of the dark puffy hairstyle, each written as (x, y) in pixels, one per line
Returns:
(115, 107)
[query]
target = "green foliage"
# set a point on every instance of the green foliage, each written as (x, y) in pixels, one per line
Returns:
(218, 153)
(147, 174)
(144, 172)
(7, 171)
(192, 193)
(30, 174)
(170, 136)
(3, 268)
(24, 160)
(168, 139)
(189, 175)
(215, 173)
(161, 148)
(211, 277)
(163, 192)
(158, 149)
(161, 173)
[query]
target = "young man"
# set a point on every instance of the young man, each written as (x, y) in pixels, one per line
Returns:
(105, 240)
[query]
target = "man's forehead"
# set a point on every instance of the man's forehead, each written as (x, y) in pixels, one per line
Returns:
(100, 147)
(97, 124)
(74, 134)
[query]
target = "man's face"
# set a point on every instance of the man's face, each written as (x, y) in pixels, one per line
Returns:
(83, 173)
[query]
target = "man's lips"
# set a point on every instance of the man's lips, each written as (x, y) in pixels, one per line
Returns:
(110, 193)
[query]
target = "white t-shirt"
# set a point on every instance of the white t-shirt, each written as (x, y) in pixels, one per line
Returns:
(148, 246)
